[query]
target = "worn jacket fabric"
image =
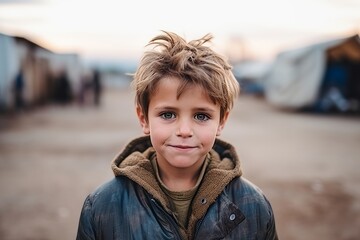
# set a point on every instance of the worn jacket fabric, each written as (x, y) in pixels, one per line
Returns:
(133, 206)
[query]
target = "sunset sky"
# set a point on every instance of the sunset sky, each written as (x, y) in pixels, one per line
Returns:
(112, 29)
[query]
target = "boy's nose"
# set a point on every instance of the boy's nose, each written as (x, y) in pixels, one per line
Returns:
(184, 129)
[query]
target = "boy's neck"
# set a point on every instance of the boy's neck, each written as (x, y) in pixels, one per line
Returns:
(181, 180)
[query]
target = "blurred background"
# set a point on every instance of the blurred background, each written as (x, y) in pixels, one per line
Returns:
(66, 106)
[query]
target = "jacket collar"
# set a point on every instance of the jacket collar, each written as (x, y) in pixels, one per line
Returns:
(133, 162)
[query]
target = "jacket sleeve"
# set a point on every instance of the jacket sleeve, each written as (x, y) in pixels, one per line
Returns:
(271, 233)
(86, 230)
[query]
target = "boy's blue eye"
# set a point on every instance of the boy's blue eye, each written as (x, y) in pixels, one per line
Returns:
(167, 115)
(201, 117)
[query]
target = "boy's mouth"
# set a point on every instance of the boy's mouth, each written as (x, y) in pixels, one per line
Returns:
(182, 146)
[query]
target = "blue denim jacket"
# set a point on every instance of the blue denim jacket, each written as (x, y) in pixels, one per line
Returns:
(127, 207)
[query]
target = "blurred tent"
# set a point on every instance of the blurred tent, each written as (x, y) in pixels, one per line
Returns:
(38, 67)
(322, 77)
(249, 74)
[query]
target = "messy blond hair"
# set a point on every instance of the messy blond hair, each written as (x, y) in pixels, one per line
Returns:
(191, 62)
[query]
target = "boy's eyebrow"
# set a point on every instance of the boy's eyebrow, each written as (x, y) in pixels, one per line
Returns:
(205, 109)
(165, 108)
(199, 109)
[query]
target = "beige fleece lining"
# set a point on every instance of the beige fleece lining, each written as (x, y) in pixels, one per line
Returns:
(221, 170)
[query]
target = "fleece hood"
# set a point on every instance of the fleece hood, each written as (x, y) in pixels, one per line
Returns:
(224, 165)
(133, 162)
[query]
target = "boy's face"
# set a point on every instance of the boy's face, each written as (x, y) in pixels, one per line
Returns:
(182, 130)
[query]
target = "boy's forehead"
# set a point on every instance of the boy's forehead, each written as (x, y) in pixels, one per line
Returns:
(180, 87)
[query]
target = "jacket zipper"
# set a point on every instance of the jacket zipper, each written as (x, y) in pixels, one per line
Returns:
(172, 222)
(198, 224)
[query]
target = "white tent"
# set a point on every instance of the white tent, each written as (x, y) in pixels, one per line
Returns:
(296, 75)
(9, 65)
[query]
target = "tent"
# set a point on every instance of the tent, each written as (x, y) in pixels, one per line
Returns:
(27, 71)
(250, 74)
(324, 76)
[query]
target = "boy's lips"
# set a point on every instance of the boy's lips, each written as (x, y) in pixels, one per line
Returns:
(182, 146)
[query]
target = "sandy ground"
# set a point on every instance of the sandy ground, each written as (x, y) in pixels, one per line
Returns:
(53, 156)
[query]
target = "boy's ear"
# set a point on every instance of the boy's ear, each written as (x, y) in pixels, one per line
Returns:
(222, 123)
(142, 119)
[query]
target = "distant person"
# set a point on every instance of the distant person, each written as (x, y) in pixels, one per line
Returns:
(63, 93)
(97, 87)
(179, 181)
(85, 90)
(18, 87)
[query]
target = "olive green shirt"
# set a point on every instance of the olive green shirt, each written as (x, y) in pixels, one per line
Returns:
(181, 201)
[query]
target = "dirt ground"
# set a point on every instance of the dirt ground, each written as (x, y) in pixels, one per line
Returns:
(52, 157)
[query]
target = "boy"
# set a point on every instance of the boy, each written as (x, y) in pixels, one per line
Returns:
(179, 181)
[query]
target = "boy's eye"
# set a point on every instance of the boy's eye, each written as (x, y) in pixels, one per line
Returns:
(201, 117)
(167, 115)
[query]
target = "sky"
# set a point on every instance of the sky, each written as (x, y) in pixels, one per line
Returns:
(115, 29)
